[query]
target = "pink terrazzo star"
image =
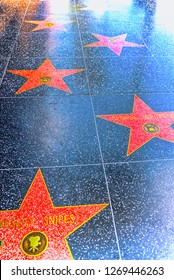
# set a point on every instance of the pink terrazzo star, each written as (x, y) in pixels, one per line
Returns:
(50, 23)
(114, 43)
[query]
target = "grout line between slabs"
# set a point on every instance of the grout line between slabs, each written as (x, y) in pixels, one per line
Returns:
(86, 95)
(86, 165)
(12, 49)
(51, 166)
(107, 186)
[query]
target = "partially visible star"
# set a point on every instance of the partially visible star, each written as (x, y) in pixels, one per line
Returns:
(115, 44)
(38, 229)
(79, 7)
(46, 74)
(50, 23)
(93, 7)
(98, 7)
(144, 124)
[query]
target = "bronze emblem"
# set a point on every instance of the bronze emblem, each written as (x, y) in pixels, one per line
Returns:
(112, 39)
(151, 128)
(34, 243)
(45, 80)
(49, 24)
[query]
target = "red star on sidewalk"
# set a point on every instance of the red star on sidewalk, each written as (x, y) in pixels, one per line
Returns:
(39, 230)
(114, 43)
(46, 74)
(144, 124)
(50, 23)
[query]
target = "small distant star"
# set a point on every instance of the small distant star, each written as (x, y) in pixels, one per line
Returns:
(50, 23)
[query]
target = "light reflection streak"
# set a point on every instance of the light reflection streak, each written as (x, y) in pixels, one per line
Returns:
(14, 10)
(59, 6)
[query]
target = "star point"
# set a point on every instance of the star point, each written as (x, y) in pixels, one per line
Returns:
(38, 229)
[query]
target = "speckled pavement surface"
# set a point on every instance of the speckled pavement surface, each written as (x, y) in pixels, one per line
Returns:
(87, 130)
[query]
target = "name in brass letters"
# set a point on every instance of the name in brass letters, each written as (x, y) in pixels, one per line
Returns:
(28, 222)
(144, 117)
(125, 118)
(16, 223)
(158, 116)
(60, 219)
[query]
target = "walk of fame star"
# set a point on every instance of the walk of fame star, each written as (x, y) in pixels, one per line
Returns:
(98, 7)
(46, 74)
(50, 23)
(39, 230)
(95, 6)
(145, 124)
(115, 44)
